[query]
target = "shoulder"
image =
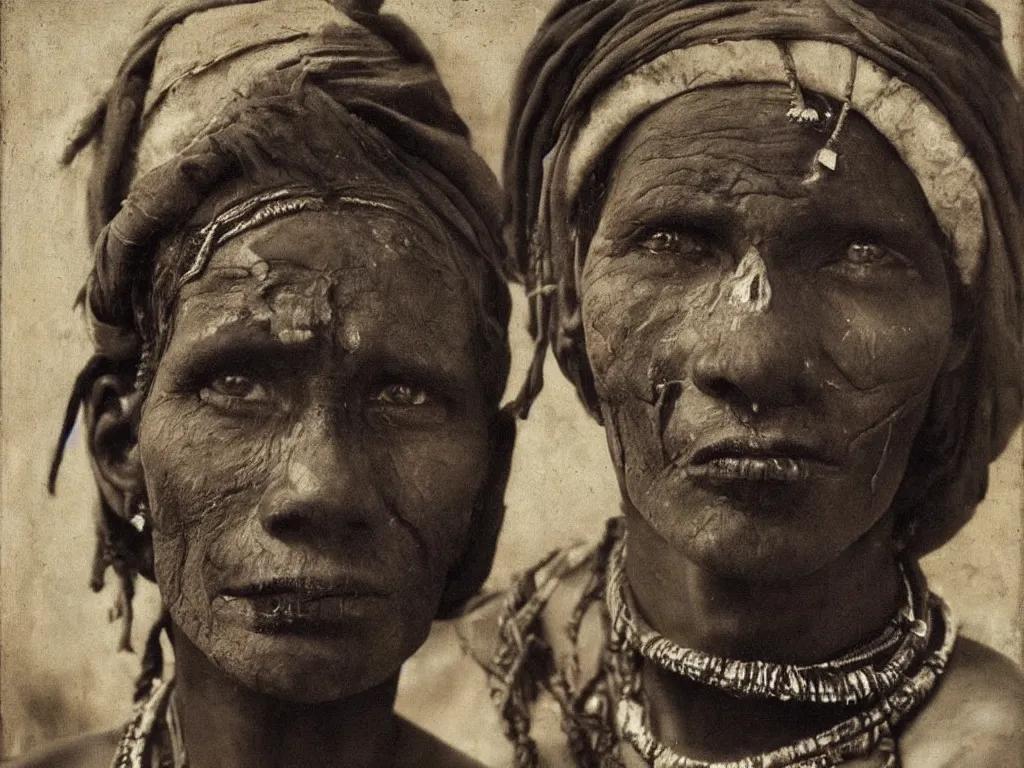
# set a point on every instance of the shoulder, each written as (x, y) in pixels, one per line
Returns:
(459, 684)
(94, 750)
(975, 716)
(416, 747)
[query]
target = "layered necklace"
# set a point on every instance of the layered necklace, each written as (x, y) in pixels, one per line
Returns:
(887, 677)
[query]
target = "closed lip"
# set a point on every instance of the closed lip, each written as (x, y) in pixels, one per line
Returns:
(745, 448)
(759, 460)
(292, 606)
(305, 588)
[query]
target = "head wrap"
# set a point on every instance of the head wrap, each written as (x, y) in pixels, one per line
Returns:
(929, 75)
(197, 84)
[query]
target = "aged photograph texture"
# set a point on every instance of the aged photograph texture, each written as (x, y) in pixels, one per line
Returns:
(527, 383)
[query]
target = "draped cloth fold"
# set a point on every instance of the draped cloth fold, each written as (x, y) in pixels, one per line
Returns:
(258, 93)
(946, 54)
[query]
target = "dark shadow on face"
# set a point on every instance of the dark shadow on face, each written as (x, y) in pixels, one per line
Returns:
(313, 443)
(764, 334)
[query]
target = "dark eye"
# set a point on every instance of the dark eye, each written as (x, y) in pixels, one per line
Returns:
(402, 395)
(668, 242)
(234, 391)
(865, 261)
(867, 254)
(874, 255)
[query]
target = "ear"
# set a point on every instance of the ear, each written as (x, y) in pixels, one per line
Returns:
(471, 571)
(111, 411)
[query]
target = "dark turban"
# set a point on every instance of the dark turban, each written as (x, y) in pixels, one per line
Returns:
(209, 85)
(931, 76)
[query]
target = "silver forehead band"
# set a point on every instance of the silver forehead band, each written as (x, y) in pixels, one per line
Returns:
(917, 130)
(260, 209)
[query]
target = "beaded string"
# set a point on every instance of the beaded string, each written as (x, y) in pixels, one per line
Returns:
(802, 114)
(847, 680)
(827, 156)
(866, 733)
(179, 757)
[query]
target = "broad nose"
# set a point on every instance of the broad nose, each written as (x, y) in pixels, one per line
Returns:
(764, 362)
(322, 486)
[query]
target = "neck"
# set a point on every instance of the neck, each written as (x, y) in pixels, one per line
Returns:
(225, 724)
(802, 621)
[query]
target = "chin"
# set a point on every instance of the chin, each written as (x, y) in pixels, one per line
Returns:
(751, 555)
(311, 668)
(744, 534)
(315, 684)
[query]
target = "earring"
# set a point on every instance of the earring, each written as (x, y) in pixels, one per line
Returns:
(140, 519)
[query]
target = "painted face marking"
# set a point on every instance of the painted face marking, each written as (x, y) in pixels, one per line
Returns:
(749, 288)
(668, 393)
(300, 309)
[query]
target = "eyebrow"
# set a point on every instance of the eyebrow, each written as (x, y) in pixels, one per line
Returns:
(684, 217)
(247, 343)
(433, 371)
(643, 219)
(702, 215)
(251, 344)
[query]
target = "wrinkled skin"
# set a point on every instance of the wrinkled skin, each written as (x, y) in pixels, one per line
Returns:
(318, 416)
(732, 292)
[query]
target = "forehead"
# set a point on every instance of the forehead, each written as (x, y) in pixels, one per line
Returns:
(352, 271)
(720, 146)
(352, 241)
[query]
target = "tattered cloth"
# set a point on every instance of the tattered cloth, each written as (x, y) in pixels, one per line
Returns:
(221, 92)
(948, 51)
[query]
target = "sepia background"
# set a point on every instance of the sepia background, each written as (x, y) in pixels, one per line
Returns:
(59, 673)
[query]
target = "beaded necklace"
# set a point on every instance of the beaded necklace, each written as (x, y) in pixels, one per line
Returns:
(893, 676)
(852, 678)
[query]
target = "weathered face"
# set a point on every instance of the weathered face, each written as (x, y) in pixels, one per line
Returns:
(312, 446)
(764, 339)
